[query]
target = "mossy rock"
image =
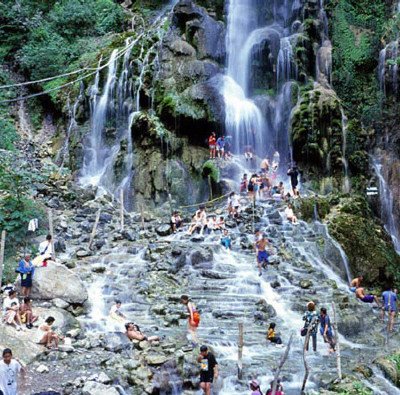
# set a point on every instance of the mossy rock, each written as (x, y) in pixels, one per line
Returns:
(391, 367)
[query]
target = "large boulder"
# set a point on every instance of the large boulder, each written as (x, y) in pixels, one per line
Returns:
(56, 281)
(93, 388)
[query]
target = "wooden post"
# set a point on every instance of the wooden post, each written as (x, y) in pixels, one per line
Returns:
(337, 346)
(96, 222)
(240, 351)
(2, 247)
(142, 215)
(281, 363)
(210, 187)
(51, 232)
(121, 194)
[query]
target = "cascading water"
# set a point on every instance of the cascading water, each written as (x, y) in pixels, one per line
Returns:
(261, 123)
(346, 181)
(386, 205)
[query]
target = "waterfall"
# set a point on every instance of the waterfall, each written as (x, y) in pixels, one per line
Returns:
(387, 204)
(260, 122)
(346, 182)
(381, 70)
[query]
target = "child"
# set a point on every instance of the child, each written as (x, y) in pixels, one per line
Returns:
(271, 335)
(226, 240)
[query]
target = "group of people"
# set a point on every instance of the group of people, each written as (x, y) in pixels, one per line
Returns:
(387, 304)
(219, 147)
(16, 314)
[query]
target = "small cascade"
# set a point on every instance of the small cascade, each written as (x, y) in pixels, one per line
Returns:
(346, 181)
(63, 155)
(387, 204)
(286, 68)
(324, 64)
(381, 71)
(23, 120)
(388, 68)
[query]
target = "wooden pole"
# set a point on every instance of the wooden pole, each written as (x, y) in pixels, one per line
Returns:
(2, 248)
(96, 223)
(51, 232)
(281, 363)
(121, 194)
(240, 351)
(337, 345)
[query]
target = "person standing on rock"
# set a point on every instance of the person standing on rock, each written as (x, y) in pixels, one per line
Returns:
(293, 173)
(212, 142)
(326, 329)
(262, 254)
(389, 304)
(221, 147)
(26, 270)
(311, 323)
(194, 318)
(264, 166)
(9, 370)
(208, 369)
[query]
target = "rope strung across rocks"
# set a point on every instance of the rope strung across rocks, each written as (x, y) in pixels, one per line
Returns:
(206, 203)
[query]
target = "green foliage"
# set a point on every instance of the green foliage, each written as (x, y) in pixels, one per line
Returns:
(210, 169)
(8, 133)
(308, 206)
(358, 389)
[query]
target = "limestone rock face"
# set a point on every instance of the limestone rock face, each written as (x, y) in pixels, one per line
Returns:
(93, 388)
(56, 281)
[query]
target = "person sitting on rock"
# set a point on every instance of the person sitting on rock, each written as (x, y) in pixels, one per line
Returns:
(360, 294)
(220, 223)
(211, 224)
(133, 333)
(176, 221)
(46, 335)
(356, 283)
(226, 240)
(115, 312)
(11, 315)
(271, 334)
(26, 312)
(199, 221)
(290, 214)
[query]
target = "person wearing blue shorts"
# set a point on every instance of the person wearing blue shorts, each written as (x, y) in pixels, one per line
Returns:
(262, 254)
(389, 305)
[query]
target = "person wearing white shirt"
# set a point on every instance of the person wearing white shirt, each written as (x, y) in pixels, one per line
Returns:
(290, 214)
(233, 204)
(9, 370)
(46, 247)
(11, 313)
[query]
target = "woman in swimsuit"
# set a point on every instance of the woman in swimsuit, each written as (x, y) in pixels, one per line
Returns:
(194, 317)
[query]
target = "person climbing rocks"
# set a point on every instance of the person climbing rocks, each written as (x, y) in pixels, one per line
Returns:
(226, 240)
(293, 173)
(208, 369)
(278, 390)
(46, 336)
(221, 147)
(176, 221)
(389, 305)
(290, 214)
(27, 316)
(244, 183)
(262, 254)
(255, 387)
(115, 312)
(311, 323)
(11, 314)
(326, 329)
(26, 271)
(366, 298)
(271, 334)
(265, 166)
(356, 283)
(194, 318)
(10, 368)
(233, 205)
(133, 332)
(212, 142)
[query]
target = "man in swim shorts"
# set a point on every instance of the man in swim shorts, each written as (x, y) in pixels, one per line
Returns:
(360, 294)
(262, 254)
(389, 299)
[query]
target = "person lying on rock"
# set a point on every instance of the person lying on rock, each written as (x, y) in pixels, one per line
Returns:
(356, 283)
(360, 294)
(26, 312)
(11, 314)
(46, 336)
(115, 312)
(133, 333)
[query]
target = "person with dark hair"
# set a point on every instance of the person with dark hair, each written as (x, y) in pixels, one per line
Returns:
(199, 221)
(293, 173)
(194, 317)
(11, 315)
(366, 298)
(326, 329)
(26, 312)
(311, 322)
(356, 283)
(9, 370)
(255, 387)
(278, 389)
(271, 334)
(208, 369)
(243, 183)
(176, 221)
(133, 332)
(233, 205)
(26, 270)
(262, 254)
(389, 305)
(46, 336)
(212, 142)
(115, 312)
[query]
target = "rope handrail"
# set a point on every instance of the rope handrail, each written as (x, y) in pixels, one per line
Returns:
(208, 202)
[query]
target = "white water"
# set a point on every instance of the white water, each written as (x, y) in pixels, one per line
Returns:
(346, 181)
(387, 205)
